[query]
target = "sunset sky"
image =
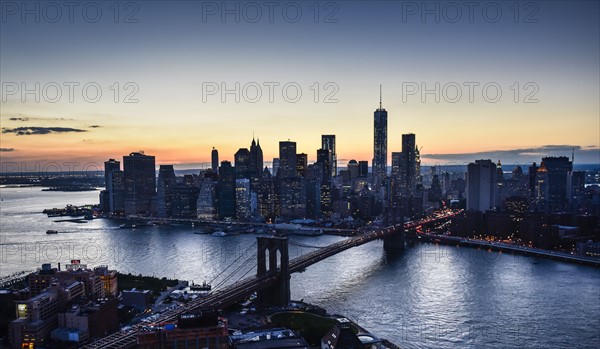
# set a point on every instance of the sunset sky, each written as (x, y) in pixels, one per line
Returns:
(177, 47)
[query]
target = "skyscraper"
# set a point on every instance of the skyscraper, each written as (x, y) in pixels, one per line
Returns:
(292, 197)
(313, 198)
(226, 190)
(324, 159)
(559, 169)
(214, 156)
(408, 165)
(328, 142)
(577, 189)
(256, 159)
(205, 207)
(481, 185)
(301, 164)
(242, 163)
(541, 189)
(275, 165)
(242, 198)
(185, 198)
(396, 164)
(116, 191)
(353, 168)
(140, 183)
(110, 167)
(164, 191)
(363, 168)
(267, 197)
(532, 173)
(379, 145)
(287, 159)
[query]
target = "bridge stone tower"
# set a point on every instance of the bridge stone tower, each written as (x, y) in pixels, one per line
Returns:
(395, 241)
(273, 258)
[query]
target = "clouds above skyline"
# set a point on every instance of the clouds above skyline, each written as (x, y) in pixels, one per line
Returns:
(35, 130)
(583, 154)
(27, 118)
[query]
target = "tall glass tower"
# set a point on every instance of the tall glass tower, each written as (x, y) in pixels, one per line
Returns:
(328, 142)
(214, 157)
(379, 145)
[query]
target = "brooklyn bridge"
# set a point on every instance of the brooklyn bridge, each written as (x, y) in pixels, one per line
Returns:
(272, 279)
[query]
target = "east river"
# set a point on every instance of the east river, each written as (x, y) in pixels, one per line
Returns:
(429, 296)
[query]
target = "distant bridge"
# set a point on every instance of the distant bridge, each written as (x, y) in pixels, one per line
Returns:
(273, 274)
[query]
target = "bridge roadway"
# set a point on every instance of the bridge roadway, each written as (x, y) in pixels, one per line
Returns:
(501, 246)
(237, 291)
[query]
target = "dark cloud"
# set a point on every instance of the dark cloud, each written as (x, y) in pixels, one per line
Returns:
(585, 154)
(95, 126)
(28, 131)
(6, 149)
(27, 118)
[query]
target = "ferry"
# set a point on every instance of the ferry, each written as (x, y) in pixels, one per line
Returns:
(51, 232)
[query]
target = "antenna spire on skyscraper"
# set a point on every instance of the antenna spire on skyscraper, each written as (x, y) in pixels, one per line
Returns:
(380, 107)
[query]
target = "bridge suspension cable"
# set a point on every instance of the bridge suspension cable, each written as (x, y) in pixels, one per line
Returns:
(300, 244)
(222, 283)
(232, 263)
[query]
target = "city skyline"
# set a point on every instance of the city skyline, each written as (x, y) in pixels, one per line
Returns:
(300, 174)
(173, 67)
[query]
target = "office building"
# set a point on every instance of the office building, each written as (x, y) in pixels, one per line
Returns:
(116, 193)
(353, 169)
(287, 160)
(363, 168)
(138, 299)
(85, 321)
(409, 165)
(481, 185)
(301, 164)
(185, 198)
(242, 163)
(328, 142)
(164, 191)
(226, 190)
(541, 189)
(292, 197)
(324, 160)
(52, 290)
(267, 198)
(35, 318)
(577, 187)
(205, 207)
(203, 329)
(559, 169)
(110, 166)
(140, 183)
(242, 199)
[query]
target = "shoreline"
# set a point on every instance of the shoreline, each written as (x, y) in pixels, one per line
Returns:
(502, 247)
